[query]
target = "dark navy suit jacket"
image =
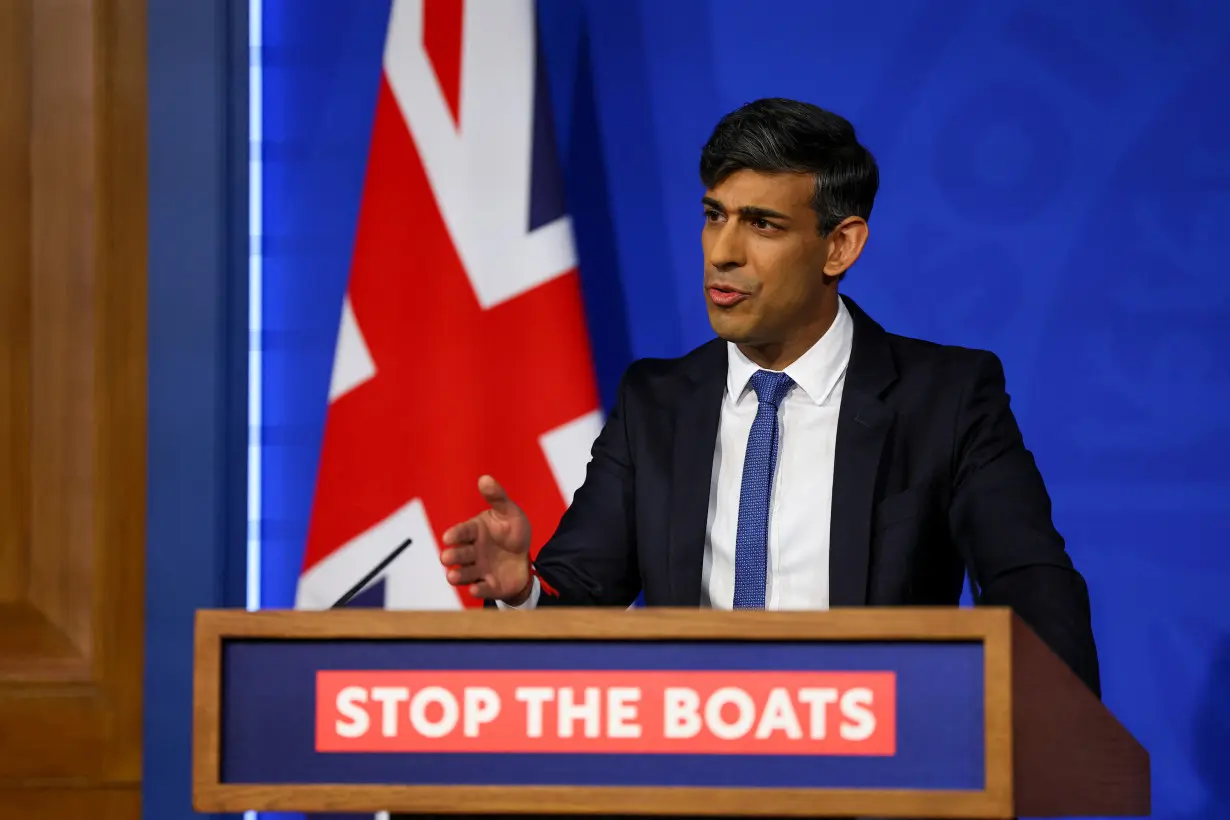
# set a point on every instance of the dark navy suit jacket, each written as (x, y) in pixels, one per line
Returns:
(932, 480)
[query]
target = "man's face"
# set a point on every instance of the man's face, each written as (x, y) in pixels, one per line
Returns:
(764, 258)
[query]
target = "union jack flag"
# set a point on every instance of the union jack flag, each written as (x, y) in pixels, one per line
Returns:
(462, 347)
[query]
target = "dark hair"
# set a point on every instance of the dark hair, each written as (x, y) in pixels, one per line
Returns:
(779, 135)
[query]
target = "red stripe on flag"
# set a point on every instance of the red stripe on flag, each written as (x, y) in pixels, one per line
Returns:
(442, 30)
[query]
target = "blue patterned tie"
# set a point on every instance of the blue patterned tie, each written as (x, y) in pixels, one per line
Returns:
(759, 464)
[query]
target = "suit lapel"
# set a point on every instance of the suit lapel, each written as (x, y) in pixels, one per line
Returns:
(863, 424)
(696, 431)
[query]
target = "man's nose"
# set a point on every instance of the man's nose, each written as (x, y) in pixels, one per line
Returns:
(727, 250)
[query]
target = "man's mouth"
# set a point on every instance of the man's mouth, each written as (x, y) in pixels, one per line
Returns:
(723, 296)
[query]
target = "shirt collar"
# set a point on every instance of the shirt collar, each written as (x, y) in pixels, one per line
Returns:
(816, 372)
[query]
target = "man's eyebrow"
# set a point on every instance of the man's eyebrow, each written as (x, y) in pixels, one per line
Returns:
(747, 211)
(757, 212)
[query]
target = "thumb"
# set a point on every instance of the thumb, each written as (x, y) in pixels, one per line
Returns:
(495, 496)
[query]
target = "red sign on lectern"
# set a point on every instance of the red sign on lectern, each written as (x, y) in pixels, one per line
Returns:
(646, 712)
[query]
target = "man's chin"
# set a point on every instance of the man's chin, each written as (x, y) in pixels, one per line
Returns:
(729, 331)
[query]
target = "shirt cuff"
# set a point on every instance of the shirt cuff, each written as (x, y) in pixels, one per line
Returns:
(530, 602)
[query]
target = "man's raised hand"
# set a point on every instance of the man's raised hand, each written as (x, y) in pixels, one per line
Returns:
(489, 553)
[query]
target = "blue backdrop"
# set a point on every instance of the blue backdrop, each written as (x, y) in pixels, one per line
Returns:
(197, 378)
(1055, 187)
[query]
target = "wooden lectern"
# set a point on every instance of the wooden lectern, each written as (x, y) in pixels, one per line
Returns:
(936, 713)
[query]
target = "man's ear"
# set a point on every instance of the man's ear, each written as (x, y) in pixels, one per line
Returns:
(846, 243)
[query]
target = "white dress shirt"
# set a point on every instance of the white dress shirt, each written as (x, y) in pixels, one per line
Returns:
(798, 550)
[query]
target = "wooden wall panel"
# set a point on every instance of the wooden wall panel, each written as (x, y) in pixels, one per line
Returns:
(14, 303)
(72, 406)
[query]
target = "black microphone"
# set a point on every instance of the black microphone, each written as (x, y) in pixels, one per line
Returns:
(367, 579)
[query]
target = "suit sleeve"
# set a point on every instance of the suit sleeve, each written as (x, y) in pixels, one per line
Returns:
(591, 560)
(1000, 518)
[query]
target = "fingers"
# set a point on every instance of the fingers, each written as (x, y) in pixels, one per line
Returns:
(464, 533)
(495, 496)
(454, 556)
(467, 574)
(482, 589)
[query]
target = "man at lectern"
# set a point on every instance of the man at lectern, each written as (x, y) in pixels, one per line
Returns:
(805, 458)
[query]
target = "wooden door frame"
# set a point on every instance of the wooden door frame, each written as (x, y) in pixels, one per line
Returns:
(72, 406)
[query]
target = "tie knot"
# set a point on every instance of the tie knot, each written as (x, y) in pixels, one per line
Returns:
(771, 387)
